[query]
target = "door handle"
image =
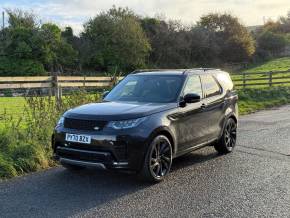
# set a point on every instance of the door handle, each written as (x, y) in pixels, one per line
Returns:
(203, 106)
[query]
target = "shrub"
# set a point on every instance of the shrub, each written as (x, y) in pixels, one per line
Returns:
(25, 142)
(20, 67)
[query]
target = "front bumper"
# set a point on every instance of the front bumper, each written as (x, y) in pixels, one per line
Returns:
(80, 157)
(108, 150)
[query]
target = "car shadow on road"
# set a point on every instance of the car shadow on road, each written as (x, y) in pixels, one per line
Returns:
(71, 193)
(193, 158)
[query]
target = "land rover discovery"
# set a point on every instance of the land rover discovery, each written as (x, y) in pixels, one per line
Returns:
(149, 118)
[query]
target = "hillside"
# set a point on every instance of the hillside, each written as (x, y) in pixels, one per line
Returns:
(278, 64)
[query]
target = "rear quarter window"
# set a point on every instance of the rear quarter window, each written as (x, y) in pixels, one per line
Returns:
(225, 80)
(210, 86)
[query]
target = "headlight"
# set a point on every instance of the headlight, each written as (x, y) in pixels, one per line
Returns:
(126, 124)
(60, 122)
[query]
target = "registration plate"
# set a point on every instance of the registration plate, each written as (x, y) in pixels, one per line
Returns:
(78, 138)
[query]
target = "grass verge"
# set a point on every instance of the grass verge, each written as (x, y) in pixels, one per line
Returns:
(252, 100)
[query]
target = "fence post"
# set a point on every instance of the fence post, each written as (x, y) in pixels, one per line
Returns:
(270, 78)
(244, 80)
(57, 90)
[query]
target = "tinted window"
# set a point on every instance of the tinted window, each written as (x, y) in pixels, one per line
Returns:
(147, 88)
(210, 86)
(193, 85)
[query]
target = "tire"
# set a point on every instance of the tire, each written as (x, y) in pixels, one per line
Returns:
(158, 160)
(227, 142)
(72, 167)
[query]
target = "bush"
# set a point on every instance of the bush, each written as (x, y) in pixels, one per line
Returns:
(20, 67)
(18, 156)
(25, 142)
(6, 168)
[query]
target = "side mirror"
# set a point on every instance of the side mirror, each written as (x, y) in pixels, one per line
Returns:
(191, 98)
(105, 94)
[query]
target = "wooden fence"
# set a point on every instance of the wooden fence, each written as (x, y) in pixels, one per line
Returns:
(259, 79)
(241, 80)
(54, 82)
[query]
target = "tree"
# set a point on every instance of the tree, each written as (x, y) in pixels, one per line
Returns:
(235, 42)
(19, 18)
(170, 43)
(30, 49)
(21, 46)
(115, 40)
(59, 53)
(271, 44)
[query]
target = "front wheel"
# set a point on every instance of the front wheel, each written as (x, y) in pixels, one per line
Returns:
(158, 160)
(228, 139)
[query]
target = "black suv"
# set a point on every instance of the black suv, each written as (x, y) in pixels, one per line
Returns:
(149, 118)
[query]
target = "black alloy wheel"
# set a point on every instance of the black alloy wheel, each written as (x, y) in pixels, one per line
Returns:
(229, 138)
(158, 160)
(231, 134)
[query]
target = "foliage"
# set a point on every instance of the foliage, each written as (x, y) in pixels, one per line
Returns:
(58, 52)
(25, 140)
(273, 38)
(120, 40)
(19, 18)
(271, 43)
(115, 40)
(27, 48)
(229, 35)
(20, 67)
(18, 155)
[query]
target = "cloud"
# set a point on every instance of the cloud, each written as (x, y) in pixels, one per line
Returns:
(76, 12)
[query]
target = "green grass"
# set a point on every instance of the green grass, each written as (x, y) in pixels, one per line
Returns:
(19, 156)
(252, 100)
(12, 105)
(278, 64)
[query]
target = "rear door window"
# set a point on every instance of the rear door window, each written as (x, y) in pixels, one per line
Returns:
(210, 86)
(193, 85)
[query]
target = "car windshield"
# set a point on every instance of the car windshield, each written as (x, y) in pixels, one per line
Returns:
(147, 88)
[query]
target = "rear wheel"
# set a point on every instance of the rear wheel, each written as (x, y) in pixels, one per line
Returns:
(228, 140)
(158, 160)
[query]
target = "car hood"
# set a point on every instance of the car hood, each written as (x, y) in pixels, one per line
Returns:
(117, 110)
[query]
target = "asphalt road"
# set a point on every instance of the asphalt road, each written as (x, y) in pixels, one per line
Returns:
(254, 181)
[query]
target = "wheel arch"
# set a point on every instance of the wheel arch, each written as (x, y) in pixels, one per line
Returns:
(166, 132)
(231, 115)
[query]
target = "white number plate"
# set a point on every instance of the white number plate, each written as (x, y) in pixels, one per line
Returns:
(78, 138)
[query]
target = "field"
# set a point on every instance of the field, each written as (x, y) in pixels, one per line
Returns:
(275, 65)
(12, 105)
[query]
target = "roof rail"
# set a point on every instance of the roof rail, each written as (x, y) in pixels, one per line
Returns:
(148, 70)
(201, 69)
(184, 70)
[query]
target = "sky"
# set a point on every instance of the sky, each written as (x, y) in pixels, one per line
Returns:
(75, 12)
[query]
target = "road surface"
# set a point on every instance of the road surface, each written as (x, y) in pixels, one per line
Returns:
(254, 181)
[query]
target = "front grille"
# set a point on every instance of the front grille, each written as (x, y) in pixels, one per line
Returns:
(83, 124)
(84, 155)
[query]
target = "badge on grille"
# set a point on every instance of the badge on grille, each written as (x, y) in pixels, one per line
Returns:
(96, 128)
